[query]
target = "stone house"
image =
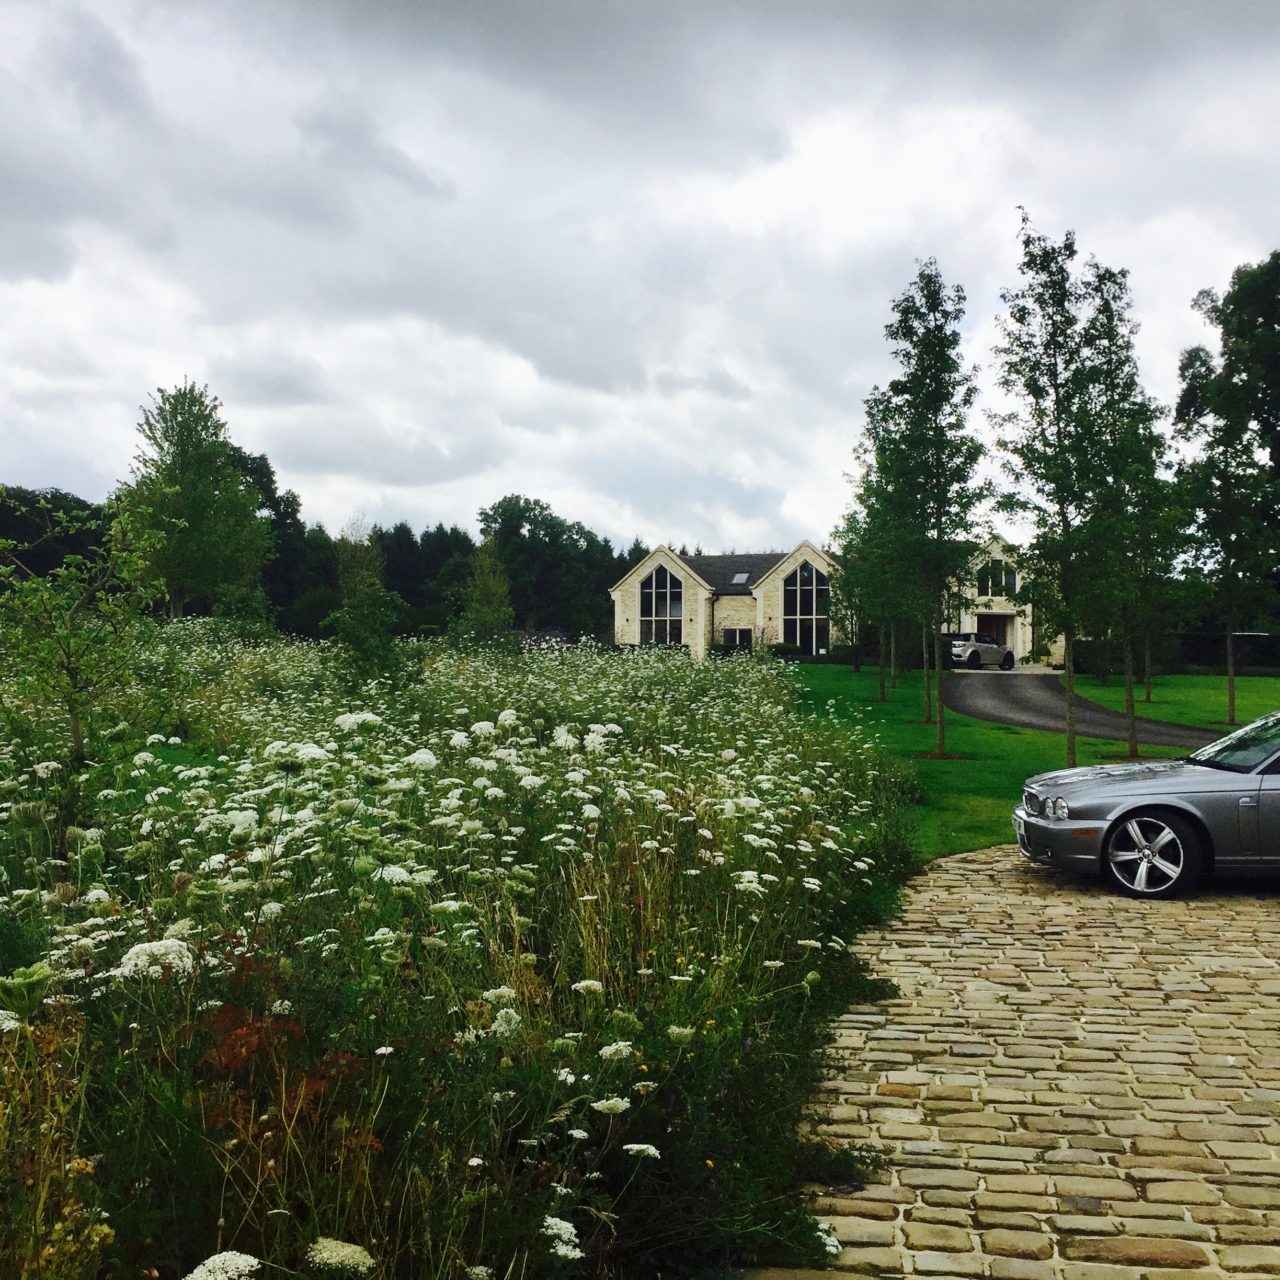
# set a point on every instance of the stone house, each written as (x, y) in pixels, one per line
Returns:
(991, 611)
(733, 600)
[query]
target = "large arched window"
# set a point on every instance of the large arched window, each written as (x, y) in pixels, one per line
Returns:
(805, 613)
(661, 608)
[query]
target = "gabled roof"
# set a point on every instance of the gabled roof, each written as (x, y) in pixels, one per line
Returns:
(720, 571)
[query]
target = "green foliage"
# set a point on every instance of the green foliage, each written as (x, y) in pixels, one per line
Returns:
(1229, 411)
(191, 490)
(365, 622)
(559, 571)
(365, 973)
(69, 636)
(487, 614)
(1083, 453)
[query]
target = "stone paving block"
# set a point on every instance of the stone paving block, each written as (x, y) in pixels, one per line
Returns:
(1263, 1259)
(1034, 1245)
(1136, 1251)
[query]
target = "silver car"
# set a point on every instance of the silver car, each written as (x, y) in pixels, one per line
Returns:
(975, 649)
(1155, 828)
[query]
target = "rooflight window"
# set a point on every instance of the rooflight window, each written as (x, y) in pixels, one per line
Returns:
(739, 579)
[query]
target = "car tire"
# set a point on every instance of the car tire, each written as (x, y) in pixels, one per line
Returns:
(973, 661)
(1153, 855)
(1006, 663)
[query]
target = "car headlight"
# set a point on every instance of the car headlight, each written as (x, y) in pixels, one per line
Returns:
(1058, 808)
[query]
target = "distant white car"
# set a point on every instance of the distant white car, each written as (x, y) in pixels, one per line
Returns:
(975, 649)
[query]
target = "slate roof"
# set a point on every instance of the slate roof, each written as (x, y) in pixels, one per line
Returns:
(719, 571)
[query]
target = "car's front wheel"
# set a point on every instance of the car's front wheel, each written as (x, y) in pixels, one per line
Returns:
(1006, 663)
(1154, 855)
(974, 660)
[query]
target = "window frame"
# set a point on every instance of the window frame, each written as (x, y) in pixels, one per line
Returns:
(660, 607)
(806, 609)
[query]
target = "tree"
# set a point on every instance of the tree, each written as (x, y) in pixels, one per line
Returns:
(1243, 385)
(283, 569)
(1135, 542)
(487, 614)
(560, 572)
(1235, 497)
(1043, 367)
(214, 541)
(366, 620)
(69, 636)
(926, 456)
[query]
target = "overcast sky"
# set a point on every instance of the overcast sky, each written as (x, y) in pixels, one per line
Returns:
(632, 258)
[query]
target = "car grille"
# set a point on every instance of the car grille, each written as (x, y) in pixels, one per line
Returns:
(1031, 802)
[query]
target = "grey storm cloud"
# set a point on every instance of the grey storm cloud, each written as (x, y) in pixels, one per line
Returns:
(634, 258)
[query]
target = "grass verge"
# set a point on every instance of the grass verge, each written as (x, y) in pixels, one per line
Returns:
(964, 801)
(1198, 700)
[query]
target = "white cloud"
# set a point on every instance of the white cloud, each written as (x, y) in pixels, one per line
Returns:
(634, 260)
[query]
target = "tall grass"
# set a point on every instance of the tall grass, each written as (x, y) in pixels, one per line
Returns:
(507, 964)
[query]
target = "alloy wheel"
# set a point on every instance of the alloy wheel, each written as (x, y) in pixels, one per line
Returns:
(1146, 855)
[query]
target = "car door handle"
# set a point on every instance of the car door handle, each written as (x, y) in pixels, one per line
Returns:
(1248, 803)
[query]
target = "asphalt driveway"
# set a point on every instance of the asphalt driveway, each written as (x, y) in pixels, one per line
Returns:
(1038, 701)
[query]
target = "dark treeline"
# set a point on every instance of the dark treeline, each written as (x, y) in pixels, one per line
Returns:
(558, 570)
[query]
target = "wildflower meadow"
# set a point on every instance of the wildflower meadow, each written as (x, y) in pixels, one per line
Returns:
(503, 964)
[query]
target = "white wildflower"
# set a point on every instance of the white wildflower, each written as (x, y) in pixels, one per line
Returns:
(506, 1023)
(340, 1261)
(507, 717)
(151, 959)
(642, 1149)
(563, 1236)
(619, 1049)
(611, 1106)
(579, 1135)
(423, 759)
(680, 1035)
(9, 1021)
(354, 719)
(588, 984)
(226, 1266)
(392, 874)
(499, 995)
(590, 812)
(384, 1051)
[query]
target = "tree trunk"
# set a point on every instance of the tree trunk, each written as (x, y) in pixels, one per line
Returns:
(884, 697)
(1130, 715)
(1146, 666)
(1231, 669)
(940, 738)
(1068, 654)
(893, 654)
(927, 668)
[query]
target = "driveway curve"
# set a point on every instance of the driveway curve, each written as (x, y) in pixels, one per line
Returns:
(1069, 1086)
(1034, 701)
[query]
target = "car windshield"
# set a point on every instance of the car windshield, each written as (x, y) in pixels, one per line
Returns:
(1244, 750)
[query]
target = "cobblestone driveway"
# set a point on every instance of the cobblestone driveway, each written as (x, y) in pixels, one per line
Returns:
(1071, 1085)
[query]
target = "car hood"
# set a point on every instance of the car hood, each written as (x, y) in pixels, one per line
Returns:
(1139, 777)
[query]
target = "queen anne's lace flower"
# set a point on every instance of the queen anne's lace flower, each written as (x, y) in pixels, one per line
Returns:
(226, 1266)
(151, 959)
(337, 1260)
(563, 1236)
(611, 1106)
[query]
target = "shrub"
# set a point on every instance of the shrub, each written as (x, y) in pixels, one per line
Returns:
(525, 955)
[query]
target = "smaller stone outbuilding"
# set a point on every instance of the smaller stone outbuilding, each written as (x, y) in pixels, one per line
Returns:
(733, 600)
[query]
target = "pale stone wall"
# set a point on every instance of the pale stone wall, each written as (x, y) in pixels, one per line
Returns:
(734, 611)
(626, 603)
(769, 592)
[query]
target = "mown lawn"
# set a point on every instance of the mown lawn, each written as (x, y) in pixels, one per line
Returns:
(966, 800)
(1198, 700)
